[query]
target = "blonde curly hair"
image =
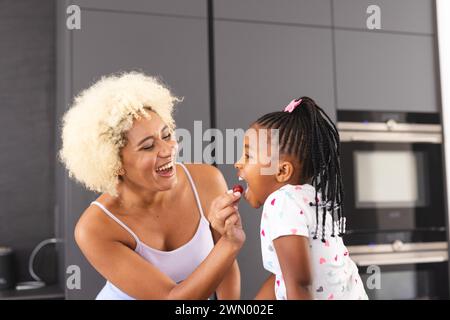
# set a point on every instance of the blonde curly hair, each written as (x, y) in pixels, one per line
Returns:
(94, 127)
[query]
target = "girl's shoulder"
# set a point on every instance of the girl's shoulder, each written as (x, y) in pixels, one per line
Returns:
(299, 188)
(299, 195)
(296, 192)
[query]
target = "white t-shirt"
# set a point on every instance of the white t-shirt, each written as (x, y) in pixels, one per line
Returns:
(287, 211)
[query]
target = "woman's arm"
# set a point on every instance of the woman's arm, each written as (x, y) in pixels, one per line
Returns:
(295, 263)
(230, 287)
(118, 263)
(211, 184)
(267, 291)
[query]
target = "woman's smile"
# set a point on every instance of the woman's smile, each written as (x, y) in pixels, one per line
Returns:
(166, 170)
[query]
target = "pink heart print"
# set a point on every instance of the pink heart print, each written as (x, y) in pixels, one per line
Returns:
(278, 282)
(273, 202)
(263, 233)
(294, 231)
(301, 211)
(322, 261)
(327, 243)
(331, 297)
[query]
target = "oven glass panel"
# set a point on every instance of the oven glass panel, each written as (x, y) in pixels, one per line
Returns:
(408, 282)
(389, 179)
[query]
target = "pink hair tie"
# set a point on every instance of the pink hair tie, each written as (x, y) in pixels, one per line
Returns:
(292, 105)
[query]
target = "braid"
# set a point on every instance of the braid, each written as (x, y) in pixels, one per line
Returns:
(309, 134)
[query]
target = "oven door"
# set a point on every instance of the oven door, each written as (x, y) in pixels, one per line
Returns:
(419, 273)
(392, 186)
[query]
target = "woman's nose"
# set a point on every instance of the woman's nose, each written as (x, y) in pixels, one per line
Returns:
(168, 148)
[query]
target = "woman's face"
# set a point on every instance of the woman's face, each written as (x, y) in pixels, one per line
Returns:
(149, 155)
(251, 169)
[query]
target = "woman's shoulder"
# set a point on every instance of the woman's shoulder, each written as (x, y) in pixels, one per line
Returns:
(94, 225)
(209, 182)
(205, 176)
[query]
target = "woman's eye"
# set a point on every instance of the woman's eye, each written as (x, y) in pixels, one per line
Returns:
(148, 148)
(168, 136)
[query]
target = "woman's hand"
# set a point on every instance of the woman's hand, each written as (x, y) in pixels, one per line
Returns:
(225, 218)
(233, 231)
(222, 208)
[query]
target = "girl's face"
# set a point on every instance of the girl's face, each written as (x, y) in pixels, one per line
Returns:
(252, 169)
(149, 155)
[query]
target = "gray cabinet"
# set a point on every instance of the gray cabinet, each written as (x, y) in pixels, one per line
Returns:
(167, 45)
(259, 69)
(411, 16)
(172, 48)
(383, 71)
(317, 12)
(27, 107)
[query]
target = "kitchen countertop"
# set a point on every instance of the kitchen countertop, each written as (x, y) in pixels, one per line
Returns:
(45, 293)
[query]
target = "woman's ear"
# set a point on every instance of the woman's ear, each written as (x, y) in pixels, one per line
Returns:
(121, 172)
(285, 171)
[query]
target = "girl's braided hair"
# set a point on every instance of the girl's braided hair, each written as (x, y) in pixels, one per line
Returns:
(307, 133)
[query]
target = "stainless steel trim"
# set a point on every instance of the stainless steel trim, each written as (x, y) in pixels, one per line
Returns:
(405, 247)
(383, 259)
(5, 250)
(389, 126)
(412, 137)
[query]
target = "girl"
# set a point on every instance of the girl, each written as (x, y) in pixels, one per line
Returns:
(302, 220)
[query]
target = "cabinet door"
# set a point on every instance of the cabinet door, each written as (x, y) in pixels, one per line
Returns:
(379, 71)
(260, 68)
(317, 12)
(27, 106)
(414, 16)
(171, 47)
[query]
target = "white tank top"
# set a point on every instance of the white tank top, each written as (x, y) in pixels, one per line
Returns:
(178, 264)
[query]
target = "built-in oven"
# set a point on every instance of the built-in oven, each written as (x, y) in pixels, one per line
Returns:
(394, 202)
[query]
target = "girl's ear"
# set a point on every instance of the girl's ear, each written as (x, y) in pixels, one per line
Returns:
(285, 171)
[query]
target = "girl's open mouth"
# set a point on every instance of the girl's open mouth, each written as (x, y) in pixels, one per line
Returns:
(246, 186)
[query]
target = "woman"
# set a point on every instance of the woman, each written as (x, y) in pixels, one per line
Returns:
(148, 232)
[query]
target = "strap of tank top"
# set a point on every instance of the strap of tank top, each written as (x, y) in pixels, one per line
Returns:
(197, 198)
(123, 225)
